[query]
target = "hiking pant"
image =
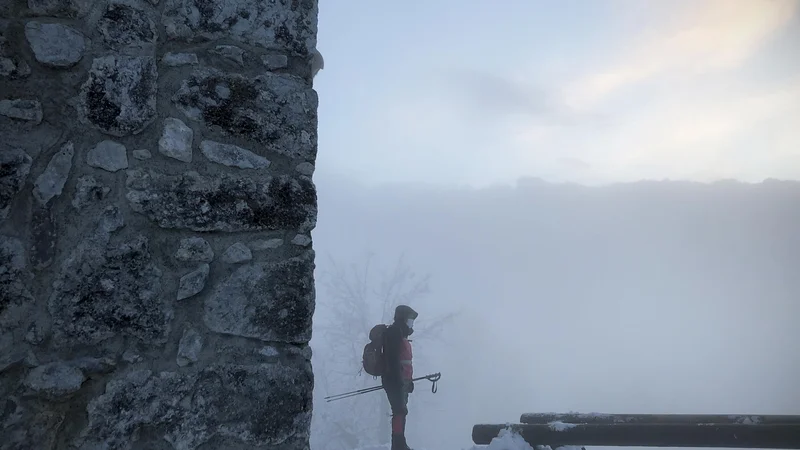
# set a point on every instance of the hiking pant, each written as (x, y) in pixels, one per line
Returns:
(397, 394)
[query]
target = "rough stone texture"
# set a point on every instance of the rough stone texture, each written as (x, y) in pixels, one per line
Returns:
(44, 237)
(22, 109)
(123, 25)
(290, 28)
(257, 108)
(103, 290)
(305, 168)
(12, 66)
(273, 62)
(176, 140)
(142, 154)
(265, 244)
(108, 155)
(88, 191)
(54, 44)
(253, 405)
(301, 240)
(51, 182)
(194, 249)
(16, 301)
(232, 155)
(237, 253)
(230, 52)
(223, 203)
(119, 96)
(24, 427)
(189, 347)
(193, 282)
(179, 59)
(55, 381)
(266, 301)
(15, 165)
(59, 8)
(108, 339)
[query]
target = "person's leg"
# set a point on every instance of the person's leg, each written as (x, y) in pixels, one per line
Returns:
(398, 401)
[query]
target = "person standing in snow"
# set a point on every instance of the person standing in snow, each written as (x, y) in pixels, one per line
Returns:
(399, 371)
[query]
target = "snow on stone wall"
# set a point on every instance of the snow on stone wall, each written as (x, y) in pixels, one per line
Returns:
(156, 205)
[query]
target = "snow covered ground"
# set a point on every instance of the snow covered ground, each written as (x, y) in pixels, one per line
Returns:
(506, 440)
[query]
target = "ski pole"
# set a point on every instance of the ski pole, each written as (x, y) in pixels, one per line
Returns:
(433, 378)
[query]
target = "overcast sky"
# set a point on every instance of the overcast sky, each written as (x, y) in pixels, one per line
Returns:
(483, 92)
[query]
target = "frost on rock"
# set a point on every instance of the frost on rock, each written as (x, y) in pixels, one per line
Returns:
(16, 302)
(223, 202)
(51, 182)
(265, 244)
(237, 253)
(266, 301)
(193, 282)
(232, 155)
(286, 26)
(305, 168)
(108, 155)
(22, 109)
(179, 59)
(123, 25)
(189, 347)
(141, 154)
(88, 191)
(176, 140)
(301, 240)
(55, 381)
(119, 96)
(102, 291)
(15, 165)
(230, 52)
(194, 249)
(239, 406)
(54, 44)
(256, 108)
(273, 62)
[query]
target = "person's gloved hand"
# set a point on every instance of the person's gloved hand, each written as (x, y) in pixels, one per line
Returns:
(409, 386)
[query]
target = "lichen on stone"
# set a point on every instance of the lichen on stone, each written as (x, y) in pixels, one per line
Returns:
(224, 202)
(15, 165)
(103, 290)
(119, 95)
(88, 191)
(288, 26)
(243, 405)
(16, 302)
(277, 111)
(123, 25)
(194, 249)
(267, 301)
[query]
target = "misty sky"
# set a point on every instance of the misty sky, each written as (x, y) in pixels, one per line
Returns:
(435, 120)
(479, 92)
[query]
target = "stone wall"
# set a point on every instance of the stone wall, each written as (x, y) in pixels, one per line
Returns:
(156, 209)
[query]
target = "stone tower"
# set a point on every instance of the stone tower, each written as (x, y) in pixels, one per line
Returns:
(156, 209)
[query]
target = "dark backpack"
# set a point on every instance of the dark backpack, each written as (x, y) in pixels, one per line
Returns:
(372, 359)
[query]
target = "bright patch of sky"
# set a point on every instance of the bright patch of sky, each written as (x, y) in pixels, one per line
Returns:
(477, 92)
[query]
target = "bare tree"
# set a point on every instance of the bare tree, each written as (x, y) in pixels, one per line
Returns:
(357, 297)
